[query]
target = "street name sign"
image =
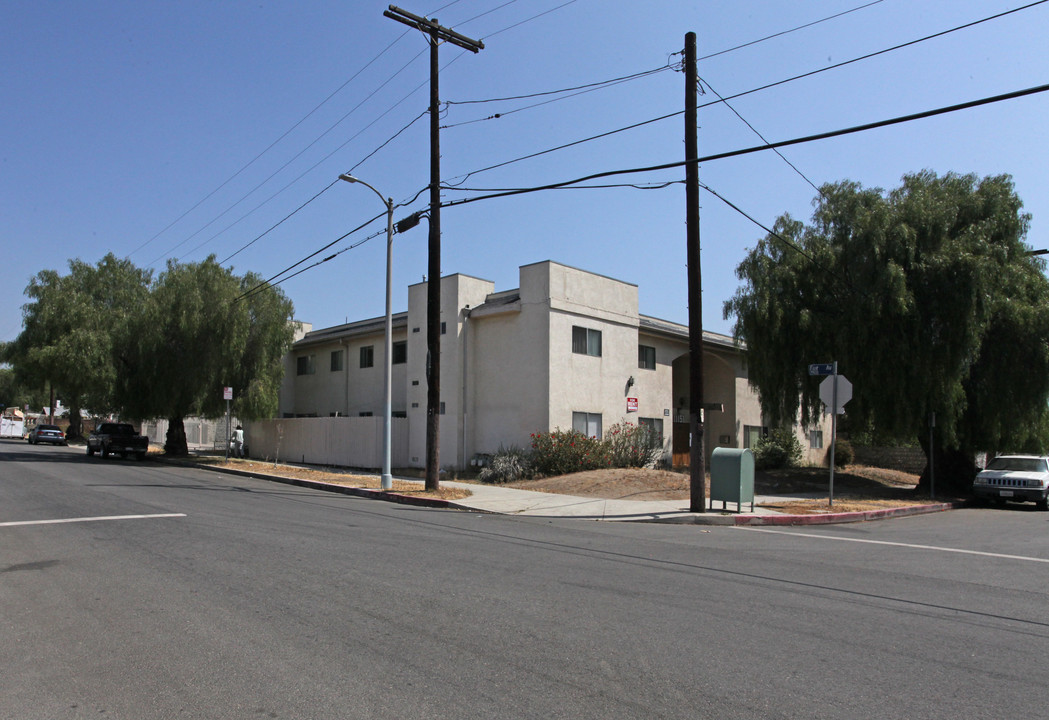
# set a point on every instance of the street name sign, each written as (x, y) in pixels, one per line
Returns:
(821, 369)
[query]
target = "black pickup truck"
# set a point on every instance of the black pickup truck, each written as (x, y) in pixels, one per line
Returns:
(117, 438)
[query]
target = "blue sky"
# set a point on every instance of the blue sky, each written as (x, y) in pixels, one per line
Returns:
(177, 130)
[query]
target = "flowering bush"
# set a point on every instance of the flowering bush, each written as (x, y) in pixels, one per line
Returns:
(566, 451)
(633, 445)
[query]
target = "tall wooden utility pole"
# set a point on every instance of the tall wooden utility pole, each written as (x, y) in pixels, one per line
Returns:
(697, 459)
(437, 34)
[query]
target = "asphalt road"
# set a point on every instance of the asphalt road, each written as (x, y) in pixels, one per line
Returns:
(182, 593)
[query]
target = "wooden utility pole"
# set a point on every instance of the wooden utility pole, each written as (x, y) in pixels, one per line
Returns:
(697, 459)
(437, 34)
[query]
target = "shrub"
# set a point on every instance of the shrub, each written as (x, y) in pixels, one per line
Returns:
(781, 449)
(843, 453)
(633, 445)
(566, 451)
(508, 465)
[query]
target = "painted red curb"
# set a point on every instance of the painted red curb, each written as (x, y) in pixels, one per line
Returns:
(845, 517)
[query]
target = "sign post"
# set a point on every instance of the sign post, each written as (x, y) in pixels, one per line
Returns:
(835, 391)
(227, 395)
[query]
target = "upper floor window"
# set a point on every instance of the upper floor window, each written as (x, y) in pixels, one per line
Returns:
(400, 352)
(367, 356)
(304, 365)
(336, 361)
(586, 341)
(646, 357)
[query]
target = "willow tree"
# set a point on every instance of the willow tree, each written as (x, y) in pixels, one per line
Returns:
(68, 330)
(201, 331)
(929, 299)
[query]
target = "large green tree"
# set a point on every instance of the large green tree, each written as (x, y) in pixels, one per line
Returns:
(200, 331)
(68, 327)
(929, 299)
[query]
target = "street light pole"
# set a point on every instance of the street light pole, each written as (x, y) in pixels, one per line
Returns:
(386, 483)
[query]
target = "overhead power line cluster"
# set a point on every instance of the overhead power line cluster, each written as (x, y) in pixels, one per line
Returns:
(555, 95)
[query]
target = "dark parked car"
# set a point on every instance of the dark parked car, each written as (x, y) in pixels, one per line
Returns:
(47, 434)
(117, 438)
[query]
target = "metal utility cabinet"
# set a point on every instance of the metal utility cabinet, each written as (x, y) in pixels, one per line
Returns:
(732, 477)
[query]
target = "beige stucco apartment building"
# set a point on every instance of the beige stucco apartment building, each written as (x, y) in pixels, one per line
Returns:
(567, 348)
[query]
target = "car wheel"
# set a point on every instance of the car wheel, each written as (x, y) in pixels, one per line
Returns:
(1042, 504)
(90, 451)
(104, 450)
(140, 455)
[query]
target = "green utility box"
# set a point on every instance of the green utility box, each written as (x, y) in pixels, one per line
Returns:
(732, 477)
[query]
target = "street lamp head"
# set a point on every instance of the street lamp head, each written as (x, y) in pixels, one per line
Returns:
(348, 178)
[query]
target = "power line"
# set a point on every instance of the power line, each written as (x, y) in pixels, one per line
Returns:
(636, 125)
(314, 254)
(766, 146)
(666, 166)
(333, 182)
(582, 90)
(266, 150)
(786, 32)
(755, 130)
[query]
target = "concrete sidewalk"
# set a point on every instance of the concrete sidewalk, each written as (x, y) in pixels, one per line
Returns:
(509, 501)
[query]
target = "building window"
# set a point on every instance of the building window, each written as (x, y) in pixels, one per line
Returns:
(304, 365)
(587, 423)
(753, 433)
(400, 352)
(442, 407)
(816, 439)
(336, 361)
(398, 413)
(367, 356)
(655, 425)
(444, 328)
(646, 357)
(364, 414)
(586, 341)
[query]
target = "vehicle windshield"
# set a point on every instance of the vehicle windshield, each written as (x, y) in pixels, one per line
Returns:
(1017, 464)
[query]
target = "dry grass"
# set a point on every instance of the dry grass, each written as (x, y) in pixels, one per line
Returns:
(857, 488)
(367, 482)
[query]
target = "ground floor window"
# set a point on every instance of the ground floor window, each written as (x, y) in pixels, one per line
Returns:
(753, 433)
(816, 439)
(655, 425)
(587, 423)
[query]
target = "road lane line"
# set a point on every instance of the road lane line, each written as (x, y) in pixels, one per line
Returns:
(895, 544)
(90, 519)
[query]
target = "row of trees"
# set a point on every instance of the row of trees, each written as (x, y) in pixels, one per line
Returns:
(932, 304)
(112, 338)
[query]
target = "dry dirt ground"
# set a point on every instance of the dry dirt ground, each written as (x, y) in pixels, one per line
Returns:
(855, 487)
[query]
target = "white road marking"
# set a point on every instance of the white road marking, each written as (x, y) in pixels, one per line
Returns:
(895, 544)
(91, 519)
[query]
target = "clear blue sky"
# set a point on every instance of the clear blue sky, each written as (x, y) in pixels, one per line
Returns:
(129, 127)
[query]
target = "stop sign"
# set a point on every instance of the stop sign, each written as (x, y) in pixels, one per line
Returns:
(844, 392)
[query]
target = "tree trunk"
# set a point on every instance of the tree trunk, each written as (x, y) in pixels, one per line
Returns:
(953, 471)
(175, 440)
(76, 425)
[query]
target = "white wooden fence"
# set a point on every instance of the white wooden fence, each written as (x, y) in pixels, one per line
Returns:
(338, 441)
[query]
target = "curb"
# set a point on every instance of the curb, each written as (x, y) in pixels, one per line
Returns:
(340, 489)
(845, 517)
(812, 519)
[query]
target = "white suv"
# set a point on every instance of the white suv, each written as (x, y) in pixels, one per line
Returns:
(1015, 477)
